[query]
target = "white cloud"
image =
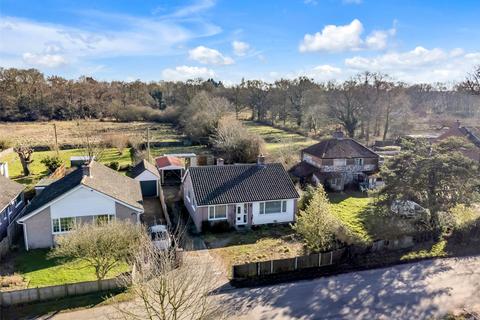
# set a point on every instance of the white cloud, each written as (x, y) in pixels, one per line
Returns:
(419, 64)
(240, 48)
(194, 8)
(345, 38)
(323, 72)
(209, 56)
(44, 60)
(182, 73)
(334, 38)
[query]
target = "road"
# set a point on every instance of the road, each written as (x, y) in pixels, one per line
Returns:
(420, 290)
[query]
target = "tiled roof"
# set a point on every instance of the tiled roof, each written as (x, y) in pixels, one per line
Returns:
(142, 166)
(340, 149)
(101, 179)
(9, 190)
(241, 183)
(166, 161)
(469, 134)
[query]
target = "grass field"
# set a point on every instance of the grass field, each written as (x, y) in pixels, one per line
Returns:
(40, 271)
(278, 140)
(42, 132)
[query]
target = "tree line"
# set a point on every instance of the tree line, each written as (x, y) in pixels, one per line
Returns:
(366, 105)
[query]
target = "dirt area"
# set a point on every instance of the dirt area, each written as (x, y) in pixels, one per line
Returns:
(153, 212)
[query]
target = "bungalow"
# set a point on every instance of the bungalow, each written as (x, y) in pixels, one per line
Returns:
(468, 135)
(242, 195)
(338, 162)
(91, 193)
(11, 203)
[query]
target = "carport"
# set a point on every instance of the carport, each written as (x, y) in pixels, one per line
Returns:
(171, 169)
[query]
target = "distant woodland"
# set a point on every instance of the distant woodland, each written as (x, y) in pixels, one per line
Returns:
(366, 105)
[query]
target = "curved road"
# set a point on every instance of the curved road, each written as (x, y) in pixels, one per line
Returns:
(421, 290)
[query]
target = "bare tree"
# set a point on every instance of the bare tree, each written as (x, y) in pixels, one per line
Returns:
(472, 82)
(92, 144)
(24, 151)
(165, 287)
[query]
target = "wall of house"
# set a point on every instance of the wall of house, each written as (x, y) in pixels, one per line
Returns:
(125, 213)
(146, 176)
(287, 216)
(39, 230)
(82, 202)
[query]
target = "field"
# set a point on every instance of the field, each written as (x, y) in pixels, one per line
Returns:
(38, 270)
(42, 133)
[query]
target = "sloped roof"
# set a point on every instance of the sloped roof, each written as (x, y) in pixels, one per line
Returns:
(340, 148)
(142, 166)
(101, 179)
(9, 190)
(467, 133)
(166, 161)
(241, 183)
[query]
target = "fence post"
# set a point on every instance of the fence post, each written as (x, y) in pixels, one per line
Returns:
(331, 257)
(320, 259)
(258, 269)
(296, 263)
(271, 266)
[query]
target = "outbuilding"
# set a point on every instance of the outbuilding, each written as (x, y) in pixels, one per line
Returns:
(148, 176)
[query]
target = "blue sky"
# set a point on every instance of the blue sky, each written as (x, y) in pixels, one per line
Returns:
(413, 41)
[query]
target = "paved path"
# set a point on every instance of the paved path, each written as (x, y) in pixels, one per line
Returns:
(412, 291)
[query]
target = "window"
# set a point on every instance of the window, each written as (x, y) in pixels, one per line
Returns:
(273, 207)
(359, 161)
(103, 218)
(217, 212)
(63, 224)
(339, 162)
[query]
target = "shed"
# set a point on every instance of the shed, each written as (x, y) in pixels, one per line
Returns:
(171, 168)
(148, 176)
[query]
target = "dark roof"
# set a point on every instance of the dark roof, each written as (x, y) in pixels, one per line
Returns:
(340, 149)
(9, 190)
(142, 166)
(241, 183)
(469, 134)
(101, 179)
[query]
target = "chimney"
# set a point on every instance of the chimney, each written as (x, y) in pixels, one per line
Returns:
(4, 169)
(220, 162)
(338, 134)
(261, 160)
(458, 123)
(86, 169)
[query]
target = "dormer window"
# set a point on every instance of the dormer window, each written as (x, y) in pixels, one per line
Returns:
(359, 161)
(339, 162)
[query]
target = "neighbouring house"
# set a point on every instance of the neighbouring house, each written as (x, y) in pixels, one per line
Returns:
(241, 195)
(92, 192)
(457, 130)
(171, 169)
(12, 203)
(148, 176)
(337, 163)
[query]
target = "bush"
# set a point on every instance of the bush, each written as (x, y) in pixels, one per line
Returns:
(52, 163)
(4, 144)
(117, 141)
(216, 226)
(14, 279)
(115, 165)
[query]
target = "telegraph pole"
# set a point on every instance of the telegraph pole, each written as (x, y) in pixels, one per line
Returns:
(56, 139)
(148, 144)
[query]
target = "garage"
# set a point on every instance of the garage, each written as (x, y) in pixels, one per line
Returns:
(148, 176)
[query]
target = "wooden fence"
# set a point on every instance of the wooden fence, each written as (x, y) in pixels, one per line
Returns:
(263, 268)
(9, 298)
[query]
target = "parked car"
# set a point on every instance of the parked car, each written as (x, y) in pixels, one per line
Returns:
(160, 236)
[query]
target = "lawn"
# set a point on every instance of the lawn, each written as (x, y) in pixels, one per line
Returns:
(353, 210)
(39, 271)
(278, 140)
(263, 243)
(38, 170)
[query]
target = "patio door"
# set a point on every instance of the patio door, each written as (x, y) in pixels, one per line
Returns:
(241, 211)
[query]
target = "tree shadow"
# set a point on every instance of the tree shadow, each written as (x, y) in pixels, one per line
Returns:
(400, 292)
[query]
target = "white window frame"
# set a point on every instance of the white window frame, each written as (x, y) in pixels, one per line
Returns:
(215, 212)
(283, 207)
(336, 162)
(189, 196)
(359, 161)
(110, 217)
(60, 225)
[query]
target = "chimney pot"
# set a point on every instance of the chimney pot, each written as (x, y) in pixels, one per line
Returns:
(220, 162)
(261, 160)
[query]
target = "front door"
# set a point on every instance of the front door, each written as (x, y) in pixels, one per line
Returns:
(241, 217)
